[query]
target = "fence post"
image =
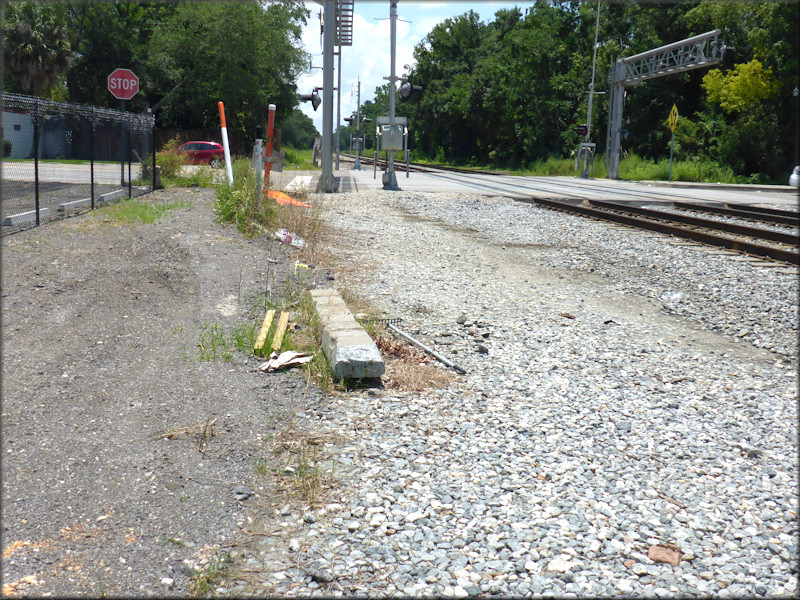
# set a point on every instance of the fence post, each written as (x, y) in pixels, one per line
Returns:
(91, 152)
(36, 157)
(153, 141)
(128, 148)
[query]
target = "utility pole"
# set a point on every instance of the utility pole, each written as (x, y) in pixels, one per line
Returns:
(389, 178)
(585, 171)
(338, 104)
(326, 180)
(357, 165)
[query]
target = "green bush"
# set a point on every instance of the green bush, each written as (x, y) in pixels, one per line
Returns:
(170, 161)
(242, 204)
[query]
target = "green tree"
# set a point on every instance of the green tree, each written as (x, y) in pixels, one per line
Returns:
(750, 108)
(107, 36)
(298, 130)
(247, 71)
(36, 47)
(743, 88)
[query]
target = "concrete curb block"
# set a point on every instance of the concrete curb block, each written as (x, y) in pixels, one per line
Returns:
(350, 351)
(25, 217)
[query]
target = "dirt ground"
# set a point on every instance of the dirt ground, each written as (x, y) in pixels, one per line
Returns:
(128, 464)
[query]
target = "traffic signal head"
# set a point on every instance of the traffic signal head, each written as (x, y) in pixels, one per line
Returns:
(349, 120)
(581, 129)
(313, 97)
(408, 89)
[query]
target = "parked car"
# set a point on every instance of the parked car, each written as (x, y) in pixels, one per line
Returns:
(794, 178)
(202, 153)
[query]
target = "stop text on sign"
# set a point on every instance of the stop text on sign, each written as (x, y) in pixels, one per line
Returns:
(123, 84)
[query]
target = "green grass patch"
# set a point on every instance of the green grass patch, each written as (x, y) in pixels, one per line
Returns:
(203, 583)
(215, 343)
(201, 177)
(299, 160)
(136, 211)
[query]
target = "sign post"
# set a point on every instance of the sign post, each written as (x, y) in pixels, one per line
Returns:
(123, 85)
(673, 123)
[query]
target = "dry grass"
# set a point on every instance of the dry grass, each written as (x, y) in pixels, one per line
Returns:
(408, 369)
(305, 222)
(201, 432)
(303, 456)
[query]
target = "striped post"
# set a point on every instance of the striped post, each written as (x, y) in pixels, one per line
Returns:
(225, 145)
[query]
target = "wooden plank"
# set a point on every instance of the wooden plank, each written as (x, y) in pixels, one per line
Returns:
(280, 330)
(262, 335)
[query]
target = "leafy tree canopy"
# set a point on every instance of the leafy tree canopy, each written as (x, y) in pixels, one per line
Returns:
(36, 47)
(742, 88)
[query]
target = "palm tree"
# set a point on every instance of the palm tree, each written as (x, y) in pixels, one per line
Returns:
(36, 45)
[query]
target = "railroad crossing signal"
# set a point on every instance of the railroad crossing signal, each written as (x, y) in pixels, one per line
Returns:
(673, 118)
(313, 97)
(408, 89)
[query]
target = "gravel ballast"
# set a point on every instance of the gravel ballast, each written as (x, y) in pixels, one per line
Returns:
(622, 394)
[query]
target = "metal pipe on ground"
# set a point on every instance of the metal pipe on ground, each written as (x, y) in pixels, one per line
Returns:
(433, 353)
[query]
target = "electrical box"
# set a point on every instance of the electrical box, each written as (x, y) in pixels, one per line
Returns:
(391, 137)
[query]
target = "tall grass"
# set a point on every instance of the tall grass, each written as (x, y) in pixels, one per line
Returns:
(636, 168)
(255, 213)
(242, 204)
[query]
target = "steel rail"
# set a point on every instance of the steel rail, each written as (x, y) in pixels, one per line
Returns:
(781, 217)
(781, 254)
(790, 239)
(430, 168)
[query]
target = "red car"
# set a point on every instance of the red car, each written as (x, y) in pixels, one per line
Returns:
(203, 153)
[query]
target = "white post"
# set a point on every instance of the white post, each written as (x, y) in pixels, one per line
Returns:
(226, 147)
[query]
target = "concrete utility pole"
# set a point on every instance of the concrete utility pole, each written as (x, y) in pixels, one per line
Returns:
(338, 104)
(326, 181)
(357, 165)
(389, 178)
(585, 171)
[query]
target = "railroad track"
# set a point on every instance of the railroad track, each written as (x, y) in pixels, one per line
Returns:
(753, 213)
(419, 167)
(745, 239)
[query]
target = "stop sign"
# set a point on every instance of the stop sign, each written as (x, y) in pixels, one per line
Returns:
(123, 84)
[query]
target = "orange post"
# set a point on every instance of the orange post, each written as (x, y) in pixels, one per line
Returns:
(268, 147)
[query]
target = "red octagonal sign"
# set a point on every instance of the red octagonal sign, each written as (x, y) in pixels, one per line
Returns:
(123, 84)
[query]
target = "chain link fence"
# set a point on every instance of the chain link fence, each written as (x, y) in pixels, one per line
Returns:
(61, 158)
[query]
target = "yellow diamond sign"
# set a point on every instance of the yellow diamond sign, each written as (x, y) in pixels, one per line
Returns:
(673, 118)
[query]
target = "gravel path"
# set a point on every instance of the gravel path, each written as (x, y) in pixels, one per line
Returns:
(621, 393)
(130, 466)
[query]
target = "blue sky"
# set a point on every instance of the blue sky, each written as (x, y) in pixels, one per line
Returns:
(369, 56)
